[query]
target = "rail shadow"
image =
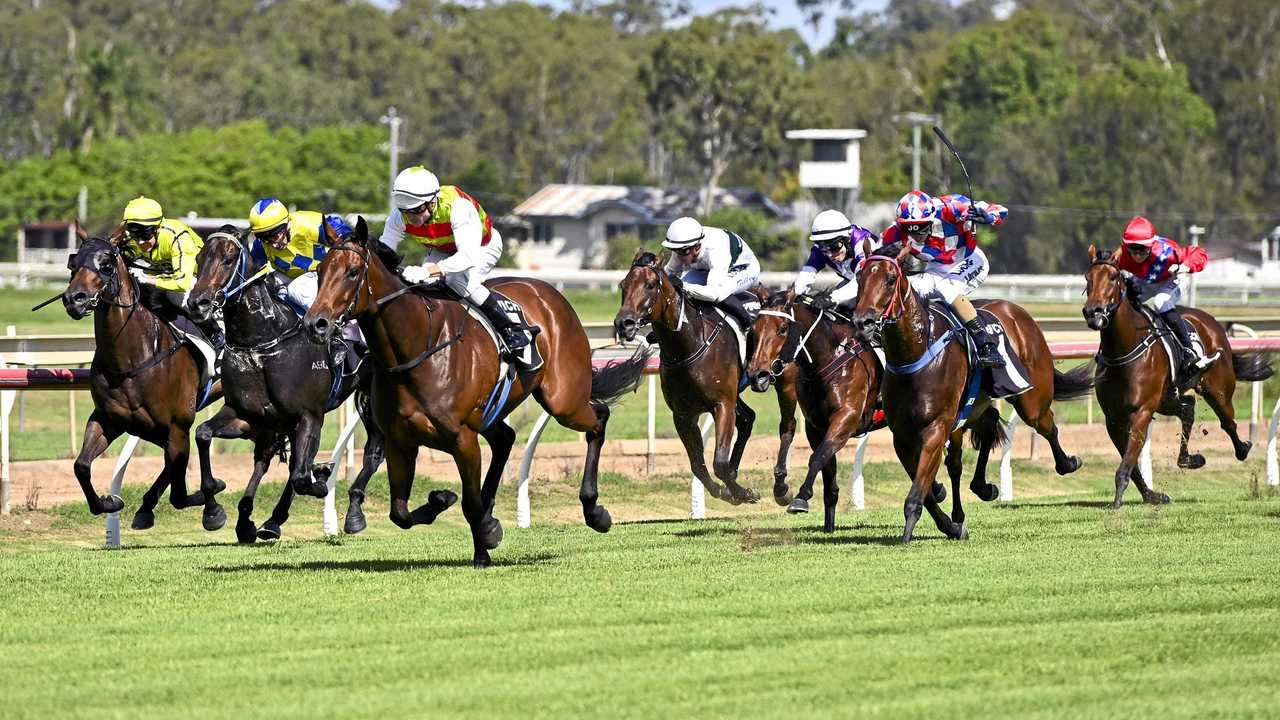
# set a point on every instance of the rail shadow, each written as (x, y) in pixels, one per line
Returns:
(375, 565)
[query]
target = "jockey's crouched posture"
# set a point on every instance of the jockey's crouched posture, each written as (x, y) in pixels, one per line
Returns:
(712, 265)
(837, 244)
(293, 244)
(1156, 270)
(462, 245)
(940, 232)
(169, 249)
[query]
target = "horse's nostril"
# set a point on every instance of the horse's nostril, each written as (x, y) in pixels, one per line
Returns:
(79, 296)
(203, 302)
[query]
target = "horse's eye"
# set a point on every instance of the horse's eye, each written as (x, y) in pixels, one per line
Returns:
(650, 285)
(782, 331)
(353, 273)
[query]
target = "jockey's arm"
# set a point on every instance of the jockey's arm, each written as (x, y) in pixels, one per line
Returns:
(467, 234)
(180, 254)
(718, 285)
(805, 279)
(393, 230)
(845, 292)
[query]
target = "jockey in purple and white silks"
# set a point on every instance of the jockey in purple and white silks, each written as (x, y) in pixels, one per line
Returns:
(838, 245)
(940, 231)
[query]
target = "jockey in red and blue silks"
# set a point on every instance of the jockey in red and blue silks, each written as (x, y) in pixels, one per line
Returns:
(940, 231)
(837, 244)
(1154, 268)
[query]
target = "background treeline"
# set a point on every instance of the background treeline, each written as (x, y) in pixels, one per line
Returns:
(1075, 112)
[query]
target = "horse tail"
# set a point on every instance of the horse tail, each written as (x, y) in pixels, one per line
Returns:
(617, 378)
(1074, 383)
(989, 430)
(1252, 367)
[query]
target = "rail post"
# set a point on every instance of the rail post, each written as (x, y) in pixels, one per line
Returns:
(523, 519)
(345, 440)
(6, 405)
(697, 494)
(651, 448)
(1006, 459)
(1273, 464)
(117, 480)
(859, 482)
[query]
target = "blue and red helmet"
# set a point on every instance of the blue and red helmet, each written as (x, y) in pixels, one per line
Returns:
(915, 208)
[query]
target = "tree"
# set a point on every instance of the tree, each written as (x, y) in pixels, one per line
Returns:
(723, 89)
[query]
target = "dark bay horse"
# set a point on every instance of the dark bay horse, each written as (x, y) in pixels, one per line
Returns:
(1134, 380)
(437, 382)
(276, 383)
(143, 382)
(838, 384)
(700, 373)
(922, 405)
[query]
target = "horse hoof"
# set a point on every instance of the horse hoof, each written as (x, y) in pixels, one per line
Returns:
(1191, 462)
(1242, 452)
(318, 489)
(1158, 498)
(749, 496)
(481, 560)
(939, 492)
(270, 530)
(1071, 465)
(143, 520)
(354, 522)
(246, 532)
(110, 504)
(782, 495)
(962, 533)
(491, 534)
(213, 518)
(986, 492)
(599, 519)
(799, 506)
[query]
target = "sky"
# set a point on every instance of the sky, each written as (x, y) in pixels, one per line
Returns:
(786, 14)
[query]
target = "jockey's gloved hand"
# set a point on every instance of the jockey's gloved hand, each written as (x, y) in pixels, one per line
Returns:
(137, 272)
(821, 302)
(415, 274)
(678, 283)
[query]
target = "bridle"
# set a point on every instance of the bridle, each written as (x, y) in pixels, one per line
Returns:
(795, 343)
(349, 312)
(1108, 312)
(109, 275)
(898, 303)
(239, 278)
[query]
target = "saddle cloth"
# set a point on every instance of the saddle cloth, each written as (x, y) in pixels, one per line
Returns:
(1008, 381)
(210, 369)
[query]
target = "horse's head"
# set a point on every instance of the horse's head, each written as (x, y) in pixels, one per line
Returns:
(643, 287)
(345, 290)
(222, 268)
(777, 337)
(95, 268)
(882, 292)
(1104, 289)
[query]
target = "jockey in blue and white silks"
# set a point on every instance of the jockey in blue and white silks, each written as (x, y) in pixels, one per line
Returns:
(838, 245)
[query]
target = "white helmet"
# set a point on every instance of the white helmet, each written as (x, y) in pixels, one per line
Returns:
(684, 232)
(413, 187)
(829, 225)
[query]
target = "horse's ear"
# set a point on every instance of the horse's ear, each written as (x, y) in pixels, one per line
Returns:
(362, 230)
(81, 235)
(639, 254)
(1115, 256)
(904, 253)
(1093, 253)
(866, 247)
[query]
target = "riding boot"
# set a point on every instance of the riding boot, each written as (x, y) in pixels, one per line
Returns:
(740, 312)
(988, 356)
(1194, 362)
(213, 331)
(515, 335)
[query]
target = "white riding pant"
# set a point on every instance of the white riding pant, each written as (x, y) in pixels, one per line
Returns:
(469, 283)
(302, 290)
(742, 277)
(954, 280)
(1164, 296)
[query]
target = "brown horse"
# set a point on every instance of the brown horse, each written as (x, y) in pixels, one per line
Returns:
(437, 382)
(700, 373)
(838, 384)
(922, 396)
(143, 382)
(1134, 380)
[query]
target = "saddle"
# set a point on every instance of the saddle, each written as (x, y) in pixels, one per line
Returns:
(1173, 348)
(186, 332)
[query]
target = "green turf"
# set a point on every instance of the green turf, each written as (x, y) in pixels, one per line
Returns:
(1055, 608)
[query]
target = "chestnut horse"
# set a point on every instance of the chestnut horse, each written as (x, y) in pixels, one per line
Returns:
(922, 401)
(700, 372)
(838, 384)
(437, 382)
(1134, 380)
(143, 381)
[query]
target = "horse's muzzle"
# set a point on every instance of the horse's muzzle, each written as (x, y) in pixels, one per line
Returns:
(761, 380)
(200, 309)
(1096, 318)
(319, 329)
(78, 304)
(625, 328)
(867, 326)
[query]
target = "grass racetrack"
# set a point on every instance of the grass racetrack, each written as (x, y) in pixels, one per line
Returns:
(1057, 607)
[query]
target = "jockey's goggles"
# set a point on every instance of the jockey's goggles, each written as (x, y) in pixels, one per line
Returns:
(420, 210)
(831, 247)
(1137, 249)
(141, 232)
(273, 233)
(684, 251)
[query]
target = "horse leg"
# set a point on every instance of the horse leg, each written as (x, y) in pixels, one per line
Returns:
(375, 450)
(955, 469)
(1129, 439)
(98, 435)
(728, 419)
(931, 452)
(691, 438)
(988, 432)
(501, 438)
(594, 421)
(227, 426)
(830, 483)
(1218, 395)
(177, 451)
(804, 494)
(484, 536)
(1036, 412)
(144, 518)
(306, 443)
(273, 528)
(246, 531)
(786, 391)
(1187, 414)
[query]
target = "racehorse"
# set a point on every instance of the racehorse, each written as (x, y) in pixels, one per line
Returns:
(277, 385)
(923, 396)
(1134, 379)
(701, 372)
(144, 381)
(437, 379)
(839, 382)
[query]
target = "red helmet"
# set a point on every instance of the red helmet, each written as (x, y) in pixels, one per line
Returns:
(1140, 231)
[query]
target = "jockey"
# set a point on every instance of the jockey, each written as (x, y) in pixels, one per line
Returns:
(837, 244)
(1155, 269)
(292, 243)
(169, 249)
(462, 245)
(940, 232)
(713, 264)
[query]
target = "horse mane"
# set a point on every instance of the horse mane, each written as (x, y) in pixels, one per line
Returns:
(645, 259)
(776, 299)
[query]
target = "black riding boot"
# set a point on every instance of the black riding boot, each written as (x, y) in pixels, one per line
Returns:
(988, 357)
(213, 331)
(515, 335)
(745, 317)
(1190, 369)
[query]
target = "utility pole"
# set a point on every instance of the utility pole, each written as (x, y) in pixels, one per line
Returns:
(917, 120)
(1195, 231)
(393, 147)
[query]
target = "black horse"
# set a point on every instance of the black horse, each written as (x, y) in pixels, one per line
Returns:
(278, 385)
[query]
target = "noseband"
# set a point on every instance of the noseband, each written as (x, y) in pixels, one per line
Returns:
(110, 278)
(238, 278)
(1106, 313)
(794, 344)
(897, 303)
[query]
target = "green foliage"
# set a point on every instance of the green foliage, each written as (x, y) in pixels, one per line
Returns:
(621, 249)
(775, 250)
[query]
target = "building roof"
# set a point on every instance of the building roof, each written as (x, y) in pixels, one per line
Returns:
(656, 205)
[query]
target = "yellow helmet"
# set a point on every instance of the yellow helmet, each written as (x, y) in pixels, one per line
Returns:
(267, 214)
(143, 211)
